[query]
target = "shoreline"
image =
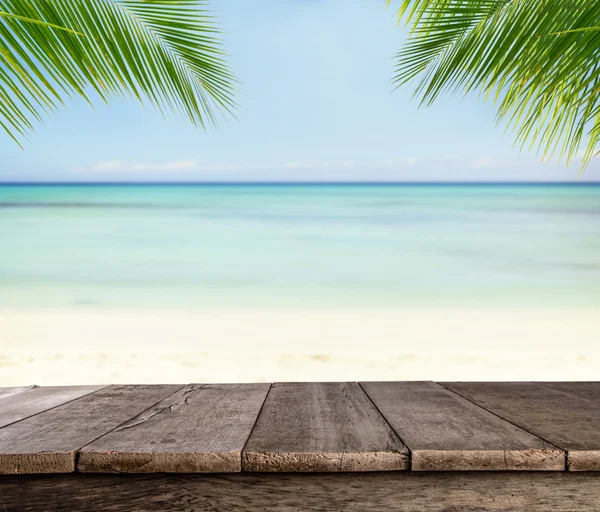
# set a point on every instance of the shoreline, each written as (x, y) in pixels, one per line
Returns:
(75, 346)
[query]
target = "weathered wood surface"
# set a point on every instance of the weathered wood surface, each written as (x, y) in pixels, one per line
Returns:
(48, 442)
(587, 390)
(445, 432)
(301, 427)
(399, 491)
(199, 429)
(563, 419)
(20, 405)
(4, 392)
(322, 427)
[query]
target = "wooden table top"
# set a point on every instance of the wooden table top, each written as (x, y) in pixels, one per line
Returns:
(301, 427)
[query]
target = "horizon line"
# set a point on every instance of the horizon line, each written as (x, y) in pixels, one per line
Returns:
(289, 183)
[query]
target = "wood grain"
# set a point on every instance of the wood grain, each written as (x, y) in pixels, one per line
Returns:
(322, 427)
(198, 429)
(397, 491)
(565, 420)
(587, 390)
(47, 442)
(17, 406)
(4, 392)
(445, 432)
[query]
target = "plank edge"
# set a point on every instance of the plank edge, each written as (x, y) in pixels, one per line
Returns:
(322, 462)
(37, 463)
(488, 460)
(158, 462)
(583, 460)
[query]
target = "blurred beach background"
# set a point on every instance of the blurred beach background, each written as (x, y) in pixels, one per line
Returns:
(262, 282)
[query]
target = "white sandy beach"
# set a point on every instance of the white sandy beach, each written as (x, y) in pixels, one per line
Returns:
(48, 347)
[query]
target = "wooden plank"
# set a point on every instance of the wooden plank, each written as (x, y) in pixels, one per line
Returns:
(445, 432)
(4, 392)
(198, 429)
(397, 491)
(567, 421)
(18, 406)
(48, 442)
(588, 390)
(322, 427)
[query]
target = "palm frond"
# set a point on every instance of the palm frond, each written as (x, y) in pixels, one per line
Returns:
(38, 22)
(538, 59)
(165, 52)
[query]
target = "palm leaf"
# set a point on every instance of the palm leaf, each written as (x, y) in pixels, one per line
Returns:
(38, 22)
(164, 52)
(538, 59)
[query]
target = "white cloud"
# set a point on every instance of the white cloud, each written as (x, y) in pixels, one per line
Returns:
(343, 164)
(173, 166)
(390, 164)
(450, 157)
(483, 163)
(441, 167)
(109, 165)
(414, 161)
(121, 166)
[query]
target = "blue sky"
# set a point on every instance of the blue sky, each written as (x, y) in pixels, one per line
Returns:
(317, 104)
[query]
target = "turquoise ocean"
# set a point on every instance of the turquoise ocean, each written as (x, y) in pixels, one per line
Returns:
(299, 245)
